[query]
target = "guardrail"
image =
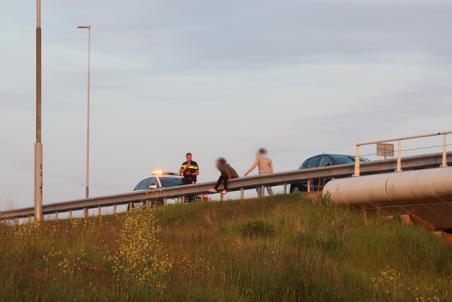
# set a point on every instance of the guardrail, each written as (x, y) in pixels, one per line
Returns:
(240, 184)
(399, 140)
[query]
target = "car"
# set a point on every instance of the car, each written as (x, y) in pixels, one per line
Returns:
(318, 161)
(161, 179)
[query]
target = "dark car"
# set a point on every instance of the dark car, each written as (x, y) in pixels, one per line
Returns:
(322, 160)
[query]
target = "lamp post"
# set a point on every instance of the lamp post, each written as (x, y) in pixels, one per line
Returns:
(88, 105)
(38, 141)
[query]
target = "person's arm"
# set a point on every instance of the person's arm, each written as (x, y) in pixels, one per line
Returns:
(253, 166)
(182, 169)
(197, 170)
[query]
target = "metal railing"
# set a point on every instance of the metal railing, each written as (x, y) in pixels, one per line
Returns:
(240, 184)
(399, 140)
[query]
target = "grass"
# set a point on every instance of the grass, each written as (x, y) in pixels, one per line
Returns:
(285, 248)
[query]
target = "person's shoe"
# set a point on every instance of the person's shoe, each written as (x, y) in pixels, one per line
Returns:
(224, 192)
(213, 190)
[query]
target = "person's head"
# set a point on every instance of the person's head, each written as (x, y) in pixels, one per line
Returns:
(188, 156)
(220, 162)
(262, 151)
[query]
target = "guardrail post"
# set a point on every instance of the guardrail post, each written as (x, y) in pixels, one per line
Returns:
(444, 159)
(399, 156)
(357, 162)
(262, 191)
(114, 209)
(242, 194)
(85, 213)
(285, 188)
(56, 215)
(99, 210)
(308, 183)
(364, 211)
(69, 215)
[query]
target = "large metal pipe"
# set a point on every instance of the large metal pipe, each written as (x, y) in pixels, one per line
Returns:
(429, 185)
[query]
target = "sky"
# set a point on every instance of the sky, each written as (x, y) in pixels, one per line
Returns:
(215, 78)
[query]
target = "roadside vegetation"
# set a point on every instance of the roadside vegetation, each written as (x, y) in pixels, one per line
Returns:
(285, 248)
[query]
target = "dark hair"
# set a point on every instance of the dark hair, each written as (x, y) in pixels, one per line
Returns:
(262, 151)
(188, 153)
(221, 160)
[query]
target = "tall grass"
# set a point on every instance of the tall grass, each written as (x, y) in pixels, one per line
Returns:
(285, 248)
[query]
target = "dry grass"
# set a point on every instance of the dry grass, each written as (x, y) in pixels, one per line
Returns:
(280, 249)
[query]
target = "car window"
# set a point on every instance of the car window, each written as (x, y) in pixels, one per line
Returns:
(342, 159)
(325, 161)
(145, 183)
(153, 182)
(313, 162)
(171, 181)
(142, 185)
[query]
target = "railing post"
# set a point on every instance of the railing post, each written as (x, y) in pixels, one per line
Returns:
(262, 191)
(444, 159)
(242, 193)
(309, 186)
(114, 209)
(70, 215)
(399, 156)
(56, 215)
(285, 188)
(85, 213)
(357, 162)
(99, 210)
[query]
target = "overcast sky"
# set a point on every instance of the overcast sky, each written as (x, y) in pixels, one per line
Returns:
(217, 78)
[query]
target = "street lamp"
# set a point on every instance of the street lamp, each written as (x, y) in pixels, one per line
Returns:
(38, 141)
(88, 27)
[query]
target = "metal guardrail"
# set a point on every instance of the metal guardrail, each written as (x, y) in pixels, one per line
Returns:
(399, 148)
(240, 184)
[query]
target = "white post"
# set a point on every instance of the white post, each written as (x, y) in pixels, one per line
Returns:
(444, 160)
(357, 162)
(399, 156)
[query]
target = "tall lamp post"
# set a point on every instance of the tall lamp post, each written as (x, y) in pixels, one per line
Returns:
(88, 105)
(38, 141)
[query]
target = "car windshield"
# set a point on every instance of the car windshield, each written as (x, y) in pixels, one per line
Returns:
(142, 185)
(170, 181)
(343, 159)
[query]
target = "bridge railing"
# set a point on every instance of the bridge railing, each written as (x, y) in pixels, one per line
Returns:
(398, 141)
(240, 184)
